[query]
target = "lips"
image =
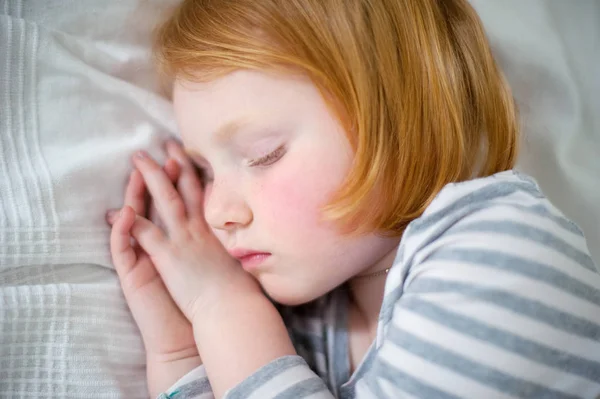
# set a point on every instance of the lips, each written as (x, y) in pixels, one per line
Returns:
(239, 253)
(249, 259)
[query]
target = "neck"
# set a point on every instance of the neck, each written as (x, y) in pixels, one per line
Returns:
(366, 293)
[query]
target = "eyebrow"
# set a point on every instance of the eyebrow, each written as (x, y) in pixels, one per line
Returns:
(228, 131)
(224, 134)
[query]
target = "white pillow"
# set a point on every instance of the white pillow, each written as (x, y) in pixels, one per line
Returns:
(80, 99)
(77, 97)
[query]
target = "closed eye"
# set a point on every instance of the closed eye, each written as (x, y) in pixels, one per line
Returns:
(202, 174)
(268, 159)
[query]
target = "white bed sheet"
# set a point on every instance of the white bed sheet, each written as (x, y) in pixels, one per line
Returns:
(77, 96)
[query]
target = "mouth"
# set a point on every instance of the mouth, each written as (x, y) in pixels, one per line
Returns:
(249, 259)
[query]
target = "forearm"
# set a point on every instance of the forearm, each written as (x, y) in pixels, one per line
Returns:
(240, 333)
(165, 370)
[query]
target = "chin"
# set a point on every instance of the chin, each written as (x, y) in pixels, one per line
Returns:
(290, 297)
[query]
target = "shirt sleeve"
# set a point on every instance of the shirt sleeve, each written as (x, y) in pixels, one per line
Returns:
(503, 303)
(286, 377)
(194, 385)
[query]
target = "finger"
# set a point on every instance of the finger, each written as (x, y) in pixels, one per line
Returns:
(167, 200)
(111, 216)
(135, 197)
(123, 254)
(189, 184)
(172, 170)
(135, 193)
(152, 239)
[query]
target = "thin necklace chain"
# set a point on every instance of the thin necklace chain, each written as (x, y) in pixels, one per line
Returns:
(374, 274)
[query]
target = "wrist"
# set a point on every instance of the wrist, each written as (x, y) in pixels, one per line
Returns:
(170, 357)
(234, 288)
(165, 369)
(226, 305)
(238, 334)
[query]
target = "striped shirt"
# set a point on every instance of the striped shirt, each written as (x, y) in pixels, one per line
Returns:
(492, 294)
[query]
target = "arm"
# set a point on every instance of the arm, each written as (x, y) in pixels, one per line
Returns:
(255, 355)
(163, 371)
(502, 304)
(249, 352)
(238, 334)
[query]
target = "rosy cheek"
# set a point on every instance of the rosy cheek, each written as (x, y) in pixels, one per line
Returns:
(293, 199)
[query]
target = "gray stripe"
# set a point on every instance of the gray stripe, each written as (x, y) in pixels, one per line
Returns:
(525, 307)
(528, 232)
(476, 371)
(389, 302)
(535, 270)
(310, 342)
(303, 389)
(543, 210)
(330, 318)
(338, 333)
(534, 351)
(192, 389)
(359, 374)
(264, 375)
(387, 307)
(406, 382)
(464, 204)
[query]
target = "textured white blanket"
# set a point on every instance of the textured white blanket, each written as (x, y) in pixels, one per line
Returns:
(77, 97)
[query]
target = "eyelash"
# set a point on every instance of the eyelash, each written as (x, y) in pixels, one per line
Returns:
(202, 174)
(268, 159)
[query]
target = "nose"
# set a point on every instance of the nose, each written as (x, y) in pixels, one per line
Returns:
(225, 207)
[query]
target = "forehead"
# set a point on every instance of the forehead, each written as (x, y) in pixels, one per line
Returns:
(244, 95)
(242, 87)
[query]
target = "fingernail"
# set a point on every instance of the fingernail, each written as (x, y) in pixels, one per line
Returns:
(141, 154)
(110, 217)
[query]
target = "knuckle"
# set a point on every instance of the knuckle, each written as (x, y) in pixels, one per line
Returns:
(172, 195)
(174, 201)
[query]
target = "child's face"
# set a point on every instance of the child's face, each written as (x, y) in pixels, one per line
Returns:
(276, 154)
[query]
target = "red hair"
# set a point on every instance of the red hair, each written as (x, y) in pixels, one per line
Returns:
(413, 81)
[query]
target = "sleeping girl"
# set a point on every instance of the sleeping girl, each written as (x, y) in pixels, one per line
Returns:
(341, 217)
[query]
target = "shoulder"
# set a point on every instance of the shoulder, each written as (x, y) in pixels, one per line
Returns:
(504, 194)
(493, 287)
(493, 283)
(499, 218)
(499, 233)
